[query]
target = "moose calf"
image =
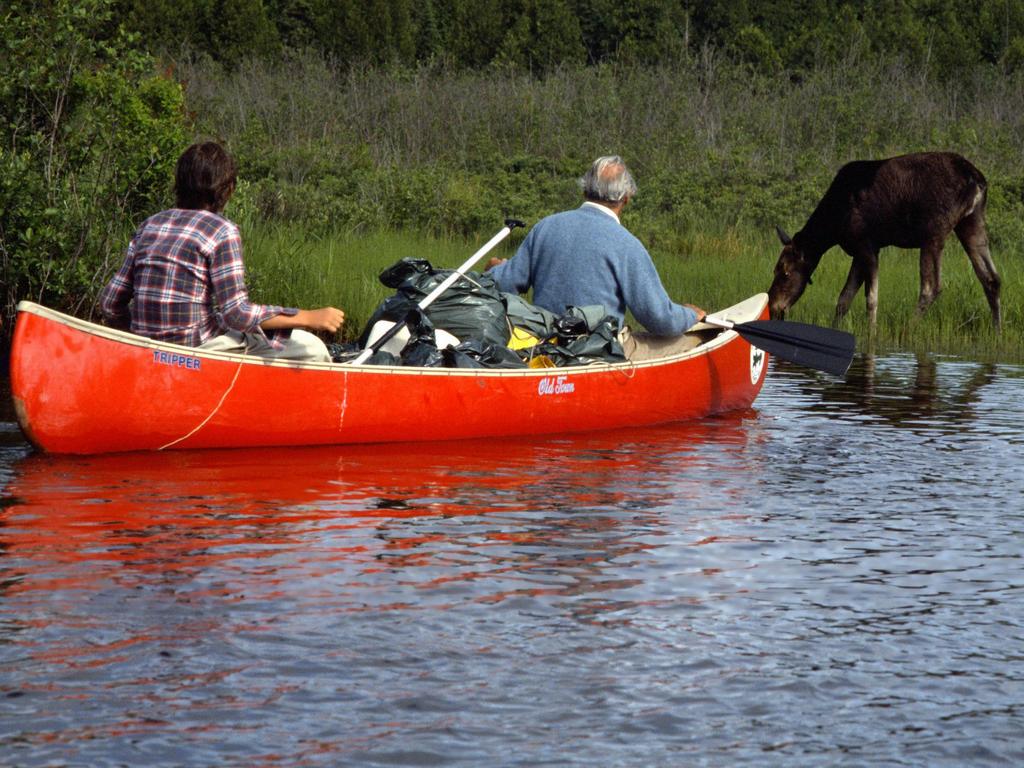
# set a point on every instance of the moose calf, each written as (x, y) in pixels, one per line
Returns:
(910, 201)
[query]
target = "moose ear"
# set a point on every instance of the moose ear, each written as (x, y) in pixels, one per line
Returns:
(786, 239)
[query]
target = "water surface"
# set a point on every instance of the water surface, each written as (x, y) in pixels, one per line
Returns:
(831, 578)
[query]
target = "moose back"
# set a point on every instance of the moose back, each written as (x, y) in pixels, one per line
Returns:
(910, 201)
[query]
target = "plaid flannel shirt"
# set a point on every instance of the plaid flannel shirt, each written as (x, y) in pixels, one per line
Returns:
(183, 281)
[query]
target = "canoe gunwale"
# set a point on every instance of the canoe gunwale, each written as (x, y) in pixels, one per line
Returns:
(125, 337)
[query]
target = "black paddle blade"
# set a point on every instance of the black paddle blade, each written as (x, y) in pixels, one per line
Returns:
(810, 345)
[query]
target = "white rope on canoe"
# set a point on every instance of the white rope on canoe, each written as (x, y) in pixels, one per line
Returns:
(213, 413)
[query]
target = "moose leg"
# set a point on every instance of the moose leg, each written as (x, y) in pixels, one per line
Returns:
(870, 269)
(931, 274)
(974, 238)
(863, 271)
(854, 280)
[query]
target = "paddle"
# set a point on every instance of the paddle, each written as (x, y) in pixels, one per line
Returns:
(809, 345)
(427, 300)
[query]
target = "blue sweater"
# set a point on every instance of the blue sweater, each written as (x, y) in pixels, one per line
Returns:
(584, 256)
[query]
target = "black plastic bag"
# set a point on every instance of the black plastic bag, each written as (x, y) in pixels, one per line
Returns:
(470, 308)
(422, 353)
(477, 354)
(602, 343)
(580, 321)
(406, 269)
(582, 335)
(342, 353)
(536, 320)
(421, 350)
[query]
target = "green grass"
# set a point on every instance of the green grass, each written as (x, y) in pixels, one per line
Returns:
(719, 269)
(713, 267)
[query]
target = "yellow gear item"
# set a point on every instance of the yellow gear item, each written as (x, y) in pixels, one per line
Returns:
(520, 338)
(542, 361)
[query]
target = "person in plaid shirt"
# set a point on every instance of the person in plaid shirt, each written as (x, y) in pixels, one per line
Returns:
(183, 279)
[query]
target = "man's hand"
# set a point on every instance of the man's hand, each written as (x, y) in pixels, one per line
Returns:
(701, 314)
(495, 261)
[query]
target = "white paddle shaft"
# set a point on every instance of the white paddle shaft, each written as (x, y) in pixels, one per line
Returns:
(427, 300)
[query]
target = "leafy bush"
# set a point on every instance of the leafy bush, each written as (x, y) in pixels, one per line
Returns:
(90, 135)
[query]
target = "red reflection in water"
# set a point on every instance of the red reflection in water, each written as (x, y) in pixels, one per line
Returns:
(142, 583)
(176, 512)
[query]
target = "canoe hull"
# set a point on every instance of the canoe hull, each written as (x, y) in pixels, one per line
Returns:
(82, 388)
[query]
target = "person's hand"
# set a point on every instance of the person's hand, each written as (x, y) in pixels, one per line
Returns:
(495, 261)
(701, 314)
(326, 319)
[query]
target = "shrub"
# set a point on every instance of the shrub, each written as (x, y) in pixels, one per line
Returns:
(90, 135)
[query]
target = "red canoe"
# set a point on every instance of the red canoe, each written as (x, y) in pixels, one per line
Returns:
(79, 387)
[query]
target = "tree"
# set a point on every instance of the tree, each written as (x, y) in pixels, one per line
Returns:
(541, 35)
(360, 32)
(475, 31)
(225, 30)
(648, 31)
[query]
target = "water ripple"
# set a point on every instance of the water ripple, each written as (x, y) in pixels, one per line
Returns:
(832, 578)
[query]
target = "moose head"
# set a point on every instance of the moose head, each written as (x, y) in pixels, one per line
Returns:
(792, 276)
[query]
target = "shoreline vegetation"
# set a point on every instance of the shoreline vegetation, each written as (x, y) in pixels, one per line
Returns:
(720, 267)
(344, 172)
(345, 168)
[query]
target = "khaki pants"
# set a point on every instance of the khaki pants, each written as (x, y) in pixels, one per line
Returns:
(302, 345)
(646, 346)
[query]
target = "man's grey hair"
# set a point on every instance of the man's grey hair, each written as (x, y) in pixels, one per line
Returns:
(608, 181)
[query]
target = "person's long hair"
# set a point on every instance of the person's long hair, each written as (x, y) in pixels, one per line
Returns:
(205, 177)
